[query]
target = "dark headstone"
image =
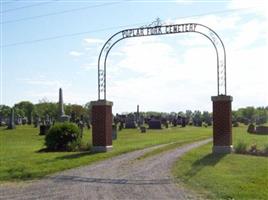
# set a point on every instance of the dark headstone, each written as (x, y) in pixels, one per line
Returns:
(43, 129)
(24, 120)
(154, 124)
(114, 132)
(121, 125)
(130, 122)
(143, 129)
(11, 123)
(251, 128)
(183, 122)
(262, 130)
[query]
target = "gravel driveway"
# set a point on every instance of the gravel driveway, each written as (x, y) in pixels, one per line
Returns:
(121, 177)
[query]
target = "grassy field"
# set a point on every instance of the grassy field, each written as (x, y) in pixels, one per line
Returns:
(231, 176)
(20, 159)
(240, 135)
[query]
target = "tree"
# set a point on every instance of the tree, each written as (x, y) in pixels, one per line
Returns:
(197, 118)
(207, 118)
(27, 107)
(46, 108)
(4, 111)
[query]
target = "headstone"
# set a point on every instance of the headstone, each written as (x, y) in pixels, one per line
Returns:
(251, 128)
(114, 132)
(24, 120)
(36, 121)
(81, 125)
(155, 124)
(174, 122)
(130, 122)
(183, 122)
(43, 129)
(262, 130)
(11, 124)
(73, 117)
(121, 125)
(143, 129)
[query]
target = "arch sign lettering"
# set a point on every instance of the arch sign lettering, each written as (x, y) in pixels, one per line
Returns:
(156, 29)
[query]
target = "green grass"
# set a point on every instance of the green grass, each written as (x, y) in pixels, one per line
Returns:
(230, 176)
(240, 135)
(167, 148)
(20, 159)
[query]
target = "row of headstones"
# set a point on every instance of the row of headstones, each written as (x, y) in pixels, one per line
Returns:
(46, 124)
(153, 122)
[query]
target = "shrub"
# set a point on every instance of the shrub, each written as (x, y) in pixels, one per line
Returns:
(63, 136)
(241, 147)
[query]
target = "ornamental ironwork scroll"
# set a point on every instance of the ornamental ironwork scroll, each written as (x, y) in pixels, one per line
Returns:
(156, 29)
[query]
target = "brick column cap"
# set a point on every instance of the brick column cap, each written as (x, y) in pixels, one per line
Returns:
(221, 98)
(102, 103)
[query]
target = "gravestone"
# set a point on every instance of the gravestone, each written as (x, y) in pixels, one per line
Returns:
(174, 122)
(154, 124)
(11, 123)
(24, 121)
(36, 121)
(62, 116)
(18, 121)
(121, 125)
(114, 132)
(81, 125)
(130, 122)
(143, 129)
(45, 126)
(183, 122)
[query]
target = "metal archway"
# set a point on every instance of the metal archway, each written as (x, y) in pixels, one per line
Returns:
(155, 29)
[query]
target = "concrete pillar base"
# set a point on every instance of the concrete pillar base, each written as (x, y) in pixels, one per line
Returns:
(222, 149)
(97, 149)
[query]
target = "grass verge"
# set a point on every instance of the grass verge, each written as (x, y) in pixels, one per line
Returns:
(229, 176)
(20, 159)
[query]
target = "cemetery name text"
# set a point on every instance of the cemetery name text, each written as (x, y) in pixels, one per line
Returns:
(159, 30)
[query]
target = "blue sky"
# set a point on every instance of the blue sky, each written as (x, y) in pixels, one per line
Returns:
(165, 73)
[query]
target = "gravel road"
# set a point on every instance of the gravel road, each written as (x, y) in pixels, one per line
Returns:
(121, 177)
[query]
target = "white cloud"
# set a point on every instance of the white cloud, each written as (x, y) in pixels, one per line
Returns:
(76, 53)
(181, 74)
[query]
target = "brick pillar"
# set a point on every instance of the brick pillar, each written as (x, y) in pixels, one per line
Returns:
(102, 125)
(222, 124)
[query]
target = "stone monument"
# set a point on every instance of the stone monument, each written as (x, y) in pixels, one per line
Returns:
(11, 123)
(62, 116)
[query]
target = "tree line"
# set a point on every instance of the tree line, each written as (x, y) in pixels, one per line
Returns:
(26, 109)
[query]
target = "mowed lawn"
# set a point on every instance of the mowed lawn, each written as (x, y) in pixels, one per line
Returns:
(20, 159)
(232, 176)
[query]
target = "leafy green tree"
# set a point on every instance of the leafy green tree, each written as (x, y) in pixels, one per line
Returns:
(27, 107)
(207, 118)
(46, 108)
(197, 118)
(4, 111)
